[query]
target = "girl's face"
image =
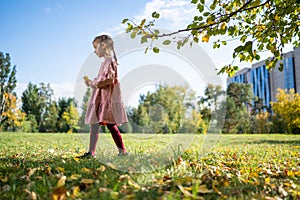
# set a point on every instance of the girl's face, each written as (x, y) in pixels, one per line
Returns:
(100, 50)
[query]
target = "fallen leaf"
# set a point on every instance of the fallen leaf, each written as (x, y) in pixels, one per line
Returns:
(61, 169)
(102, 168)
(282, 191)
(76, 191)
(123, 177)
(179, 160)
(23, 177)
(61, 181)
(102, 189)
(59, 193)
(6, 188)
(51, 150)
(32, 194)
(186, 193)
(203, 189)
(75, 176)
(86, 170)
(31, 172)
(133, 184)
(4, 180)
(87, 181)
(111, 165)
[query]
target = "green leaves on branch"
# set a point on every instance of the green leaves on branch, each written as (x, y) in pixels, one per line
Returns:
(155, 15)
(143, 29)
(229, 69)
(167, 42)
(155, 50)
(260, 25)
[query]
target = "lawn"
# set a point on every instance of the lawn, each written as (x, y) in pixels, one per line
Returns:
(185, 166)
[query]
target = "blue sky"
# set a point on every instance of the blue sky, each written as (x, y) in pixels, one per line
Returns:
(50, 40)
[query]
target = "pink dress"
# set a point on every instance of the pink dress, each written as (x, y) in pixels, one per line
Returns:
(105, 104)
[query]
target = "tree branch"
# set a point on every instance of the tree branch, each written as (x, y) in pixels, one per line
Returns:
(241, 9)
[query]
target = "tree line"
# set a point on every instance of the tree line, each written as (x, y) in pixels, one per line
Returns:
(168, 109)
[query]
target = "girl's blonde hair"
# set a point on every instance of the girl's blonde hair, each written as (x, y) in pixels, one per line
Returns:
(108, 41)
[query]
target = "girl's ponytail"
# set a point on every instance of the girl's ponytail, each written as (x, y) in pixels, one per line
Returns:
(115, 56)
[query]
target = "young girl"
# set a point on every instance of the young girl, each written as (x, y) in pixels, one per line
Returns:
(105, 104)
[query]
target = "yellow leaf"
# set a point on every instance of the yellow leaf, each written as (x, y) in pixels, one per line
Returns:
(59, 193)
(61, 182)
(267, 180)
(86, 170)
(76, 191)
(31, 171)
(184, 191)
(223, 26)
(253, 174)
(226, 183)
(75, 176)
(32, 195)
(102, 168)
(4, 180)
(87, 181)
(290, 173)
(210, 22)
(60, 169)
(205, 38)
(76, 159)
(133, 184)
(203, 189)
(111, 166)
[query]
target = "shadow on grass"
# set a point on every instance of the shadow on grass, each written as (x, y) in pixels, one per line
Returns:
(274, 142)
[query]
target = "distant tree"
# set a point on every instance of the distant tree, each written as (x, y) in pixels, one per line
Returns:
(71, 116)
(259, 25)
(237, 116)
(164, 110)
(63, 106)
(84, 127)
(278, 124)
(30, 125)
(140, 118)
(287, 107)
(13, 115)
(51, 118)
(241, 93)
(194, 123)
(7, 83)
(232, 115)
(210, 101)
(31, 102)
(36, 101)
(263, 123)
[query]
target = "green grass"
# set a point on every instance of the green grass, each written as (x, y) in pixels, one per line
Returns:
(187, 166)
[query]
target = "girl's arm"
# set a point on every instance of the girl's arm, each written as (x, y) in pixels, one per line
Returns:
(104, 83)
(110, 75)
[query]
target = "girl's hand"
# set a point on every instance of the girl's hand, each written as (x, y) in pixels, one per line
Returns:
(87, 81)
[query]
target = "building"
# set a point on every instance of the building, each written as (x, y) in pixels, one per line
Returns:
(266, 82)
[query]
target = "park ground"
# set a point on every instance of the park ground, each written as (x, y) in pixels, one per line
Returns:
(158, 166)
